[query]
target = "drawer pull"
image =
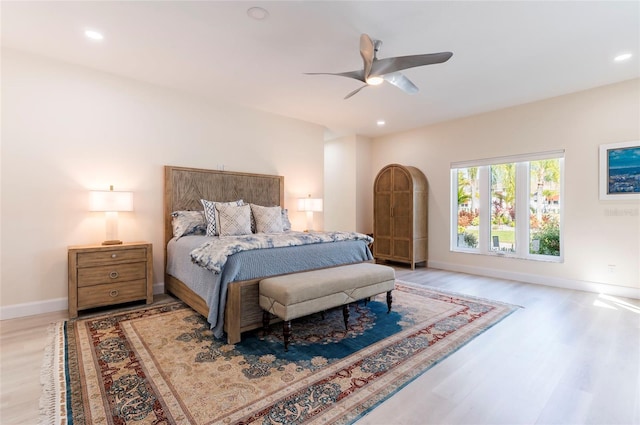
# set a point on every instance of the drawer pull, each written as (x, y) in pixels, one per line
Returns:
(113, 293)
(113, 255)
(113, 275)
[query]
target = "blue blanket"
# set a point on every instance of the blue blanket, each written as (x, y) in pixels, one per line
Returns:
(213, 254)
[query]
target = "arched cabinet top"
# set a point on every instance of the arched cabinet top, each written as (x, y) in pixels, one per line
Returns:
(403, 177)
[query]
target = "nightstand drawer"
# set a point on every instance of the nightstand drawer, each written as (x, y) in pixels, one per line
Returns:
(101, 295)
(111, 257)
(115, 273)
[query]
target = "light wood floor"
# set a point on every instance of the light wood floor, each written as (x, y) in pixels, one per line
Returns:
(567, 357)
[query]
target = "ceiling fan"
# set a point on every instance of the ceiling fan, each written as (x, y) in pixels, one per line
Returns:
(376, 71)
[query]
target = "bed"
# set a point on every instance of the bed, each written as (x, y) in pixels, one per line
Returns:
(229, 299)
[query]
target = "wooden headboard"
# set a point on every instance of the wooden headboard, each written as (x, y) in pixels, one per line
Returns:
(184, 187)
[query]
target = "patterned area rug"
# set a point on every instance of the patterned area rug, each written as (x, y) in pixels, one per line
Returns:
(161, 365)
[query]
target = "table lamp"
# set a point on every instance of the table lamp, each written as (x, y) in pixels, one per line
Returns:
(111, 202)
(310, 205)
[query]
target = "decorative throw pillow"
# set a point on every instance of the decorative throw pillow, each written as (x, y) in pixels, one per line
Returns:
(268, 219)
(234, 220)
(188, 223)
(286, 224)
(211, 214)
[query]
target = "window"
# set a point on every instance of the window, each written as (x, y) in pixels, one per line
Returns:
(509, 206)
(544, 202)
(467, 208)
(503, 207)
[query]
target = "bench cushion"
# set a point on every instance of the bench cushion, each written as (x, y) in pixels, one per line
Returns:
(299, 294)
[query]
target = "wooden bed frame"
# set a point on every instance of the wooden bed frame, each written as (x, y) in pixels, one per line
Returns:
(184, 187)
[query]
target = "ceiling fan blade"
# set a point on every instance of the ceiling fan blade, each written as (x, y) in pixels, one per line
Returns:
(367, 52)
(402, 82)
(358, 75)
(388, 65)
(355, 91)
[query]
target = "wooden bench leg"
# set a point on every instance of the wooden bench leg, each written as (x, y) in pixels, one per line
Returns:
(345, 314)
(266, 319)
(286, 333)
(389, 300)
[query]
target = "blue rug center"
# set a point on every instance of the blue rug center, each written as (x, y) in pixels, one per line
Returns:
(313, 336)
(315, 341)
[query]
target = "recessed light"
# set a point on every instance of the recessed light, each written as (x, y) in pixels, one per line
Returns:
(622, 57)
(380, 123)
(258, 13)
(94, 35)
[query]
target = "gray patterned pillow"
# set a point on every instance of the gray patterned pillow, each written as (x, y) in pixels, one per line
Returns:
(268, 219)
(211, 214)
(234, 220)
(286, 224)
(188, 223)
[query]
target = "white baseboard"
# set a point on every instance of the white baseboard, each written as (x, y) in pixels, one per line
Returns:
(31, 309)
(60, 304)
(557, 282)
(48, 306)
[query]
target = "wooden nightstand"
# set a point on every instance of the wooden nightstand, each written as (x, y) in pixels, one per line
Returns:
(110, 274)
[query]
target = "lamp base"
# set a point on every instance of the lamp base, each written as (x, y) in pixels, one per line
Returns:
(112, 242)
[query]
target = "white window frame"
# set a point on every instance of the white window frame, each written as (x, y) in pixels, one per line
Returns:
(522, 231)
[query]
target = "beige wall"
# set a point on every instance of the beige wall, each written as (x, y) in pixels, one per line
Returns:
(348, 198)
(364, 186)
(597, 233)
(340, 183)
(67, 129)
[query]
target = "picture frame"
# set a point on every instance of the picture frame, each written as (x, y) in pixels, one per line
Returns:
(620, 171)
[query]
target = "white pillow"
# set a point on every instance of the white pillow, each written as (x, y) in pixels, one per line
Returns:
(211, 214)
(268, 219)
(234, 220)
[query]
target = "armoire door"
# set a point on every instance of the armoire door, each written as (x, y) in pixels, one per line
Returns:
(382, 245)
(401, 215)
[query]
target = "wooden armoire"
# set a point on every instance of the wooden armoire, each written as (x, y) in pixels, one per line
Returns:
(400, 215)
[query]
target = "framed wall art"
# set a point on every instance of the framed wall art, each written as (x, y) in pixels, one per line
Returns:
(620, 171)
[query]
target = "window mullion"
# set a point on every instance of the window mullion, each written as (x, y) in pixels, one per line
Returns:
(484, 233)
(522, 209)
(454, 209)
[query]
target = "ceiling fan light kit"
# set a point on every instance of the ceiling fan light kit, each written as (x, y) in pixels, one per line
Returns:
(375, 71)
(375, 80)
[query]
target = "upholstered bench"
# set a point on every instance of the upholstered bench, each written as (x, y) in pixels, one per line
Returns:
(300, 294)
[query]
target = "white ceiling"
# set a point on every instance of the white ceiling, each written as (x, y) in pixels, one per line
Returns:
(504, 53)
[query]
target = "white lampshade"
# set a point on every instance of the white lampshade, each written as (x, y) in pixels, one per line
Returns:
(310, 204)
(110, 201)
